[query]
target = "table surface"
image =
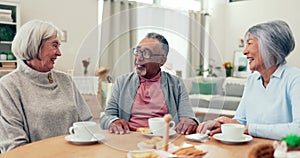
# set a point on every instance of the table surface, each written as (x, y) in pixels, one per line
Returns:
(117, 146)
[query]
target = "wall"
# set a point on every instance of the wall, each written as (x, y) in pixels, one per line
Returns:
(79, 18)
(230, 21)
(175, 33)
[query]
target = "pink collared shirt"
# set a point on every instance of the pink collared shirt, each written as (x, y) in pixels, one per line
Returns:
(149, 102)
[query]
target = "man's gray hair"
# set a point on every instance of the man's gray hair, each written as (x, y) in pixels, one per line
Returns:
(163, 41)
(31, 37)
(275, 41)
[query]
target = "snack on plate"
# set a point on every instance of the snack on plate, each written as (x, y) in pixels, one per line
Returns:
(189, 151)
(152, 143)
(145, 155)
(144, 130)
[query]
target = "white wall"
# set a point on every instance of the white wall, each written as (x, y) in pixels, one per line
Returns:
(79, 18)
(230, 21)
(165, 21)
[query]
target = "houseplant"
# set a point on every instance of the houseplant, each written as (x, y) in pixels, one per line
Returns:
(228, 68)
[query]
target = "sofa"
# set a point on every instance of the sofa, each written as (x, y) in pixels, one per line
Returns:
(211, 97)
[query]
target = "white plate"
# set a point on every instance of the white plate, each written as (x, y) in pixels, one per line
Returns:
(197, 137)
(72, 139)
(171, 132)
(246, 138)
(161, 153)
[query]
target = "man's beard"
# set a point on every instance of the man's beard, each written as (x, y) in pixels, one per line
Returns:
(141, 72)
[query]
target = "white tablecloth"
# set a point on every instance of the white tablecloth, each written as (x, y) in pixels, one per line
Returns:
(86, 84)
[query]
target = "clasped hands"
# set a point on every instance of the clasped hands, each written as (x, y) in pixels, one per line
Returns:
(214, 126)
(185, 126)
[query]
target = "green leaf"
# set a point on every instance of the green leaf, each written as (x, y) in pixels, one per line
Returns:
(292, 140)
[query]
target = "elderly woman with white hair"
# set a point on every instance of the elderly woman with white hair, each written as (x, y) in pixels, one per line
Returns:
(270, 105)
(37, 102)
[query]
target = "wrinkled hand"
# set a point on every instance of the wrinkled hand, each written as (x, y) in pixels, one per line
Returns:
(119, 126)
(186, 126)
(213, 125)
(224, 119)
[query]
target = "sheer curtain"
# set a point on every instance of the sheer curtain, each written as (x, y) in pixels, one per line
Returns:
(196, 42)
(117, 36)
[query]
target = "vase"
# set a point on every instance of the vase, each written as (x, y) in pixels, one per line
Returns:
(85, 71)
(228, 72)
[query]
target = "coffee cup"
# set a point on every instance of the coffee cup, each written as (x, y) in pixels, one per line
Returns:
(232, 131)
(84, 130)
(157, 125)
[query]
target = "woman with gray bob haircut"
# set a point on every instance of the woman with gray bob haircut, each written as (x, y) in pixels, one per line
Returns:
(276, 41)
(37, 102)
(270, 104)
(31, 37)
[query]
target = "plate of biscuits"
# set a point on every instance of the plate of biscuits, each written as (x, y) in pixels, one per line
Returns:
(187, 152)
(153, 148)
(148, 154)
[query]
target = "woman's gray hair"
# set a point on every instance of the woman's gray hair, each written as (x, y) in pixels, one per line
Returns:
(31, 37)
(163, 41)
(275, 41)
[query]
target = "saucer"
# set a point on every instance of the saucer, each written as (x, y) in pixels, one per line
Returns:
(220, 137)
(197, 137)
(171, 132)
(72, 139)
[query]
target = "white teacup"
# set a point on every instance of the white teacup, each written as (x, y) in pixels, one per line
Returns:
(232, 131)
(84, 130)
(157, 125)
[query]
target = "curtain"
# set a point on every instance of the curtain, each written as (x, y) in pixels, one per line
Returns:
(117, 36)
(196, 42)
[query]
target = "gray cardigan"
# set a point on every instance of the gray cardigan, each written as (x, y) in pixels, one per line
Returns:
(32, 109)
(124, 92)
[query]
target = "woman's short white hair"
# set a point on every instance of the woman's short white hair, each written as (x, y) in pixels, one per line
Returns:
(275, 40)
(31, 37)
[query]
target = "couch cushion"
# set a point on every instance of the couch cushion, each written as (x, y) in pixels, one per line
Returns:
(219, 83)
(234, 86)
(189, 81)
(203, 88)
(214, 101)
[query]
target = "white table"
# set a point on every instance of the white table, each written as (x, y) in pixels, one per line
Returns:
(86, 84)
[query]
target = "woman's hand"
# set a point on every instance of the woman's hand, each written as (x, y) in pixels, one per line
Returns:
(224, 119)
(186, 126)
(215, 125)
(119, 126)
(212, 125)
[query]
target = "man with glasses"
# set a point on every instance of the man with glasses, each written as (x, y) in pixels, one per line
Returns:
(148, 92)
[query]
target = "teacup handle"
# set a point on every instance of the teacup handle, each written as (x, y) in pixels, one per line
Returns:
(71, 130)
(172, 124)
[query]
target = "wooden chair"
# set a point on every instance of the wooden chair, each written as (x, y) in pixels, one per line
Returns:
(102, 74)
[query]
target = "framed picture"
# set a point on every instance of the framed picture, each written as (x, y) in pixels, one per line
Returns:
(64, 36)
(241, 65)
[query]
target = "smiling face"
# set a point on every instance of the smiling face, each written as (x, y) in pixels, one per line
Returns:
(253, 54)
(148, 68)
(47, 55)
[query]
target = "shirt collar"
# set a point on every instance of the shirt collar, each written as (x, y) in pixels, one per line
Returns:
(278, 72)
(154, 79)
(44, 78)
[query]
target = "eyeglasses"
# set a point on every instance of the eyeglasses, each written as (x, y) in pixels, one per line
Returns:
(146, 53)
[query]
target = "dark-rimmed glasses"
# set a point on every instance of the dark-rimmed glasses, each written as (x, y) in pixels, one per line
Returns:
(145, 54)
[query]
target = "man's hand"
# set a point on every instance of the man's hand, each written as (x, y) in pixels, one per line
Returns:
(186, 126)
(119, 126)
